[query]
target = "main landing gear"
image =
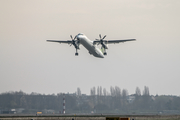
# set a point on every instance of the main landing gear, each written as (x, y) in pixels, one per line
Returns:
(104, 51)
(76, 54)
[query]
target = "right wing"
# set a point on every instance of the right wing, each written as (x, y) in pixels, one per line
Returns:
(113, 41)
(68, 41)
(117, 41)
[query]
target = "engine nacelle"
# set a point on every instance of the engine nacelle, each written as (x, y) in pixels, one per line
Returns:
(105, 46)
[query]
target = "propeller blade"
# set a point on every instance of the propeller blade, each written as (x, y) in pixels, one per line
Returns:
(71, 37)
(104, 37)
(100, 36)
(75, 37)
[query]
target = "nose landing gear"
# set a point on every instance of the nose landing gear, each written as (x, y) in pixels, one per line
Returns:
(76, 54)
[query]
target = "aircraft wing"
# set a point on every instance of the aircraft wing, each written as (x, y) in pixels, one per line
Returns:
(113, 41)
(68, 41)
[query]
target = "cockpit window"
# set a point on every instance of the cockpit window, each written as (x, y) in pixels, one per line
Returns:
(80, 34)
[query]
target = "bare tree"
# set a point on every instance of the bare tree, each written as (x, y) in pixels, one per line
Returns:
(146, 91)
(138, 91)
(117, 91)
(78, 92)
(112, 90)
(91, 92)
(104, 92)
(146, 99)
(94, 90)
(100, 91)
(124, 93)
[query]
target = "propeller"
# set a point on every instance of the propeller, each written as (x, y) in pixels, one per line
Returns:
(73, 40)
(101, 41)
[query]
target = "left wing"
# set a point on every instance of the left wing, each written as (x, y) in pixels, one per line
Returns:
(68, 41)
(112, 41)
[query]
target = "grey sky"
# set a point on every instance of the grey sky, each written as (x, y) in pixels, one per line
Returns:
(29, 63)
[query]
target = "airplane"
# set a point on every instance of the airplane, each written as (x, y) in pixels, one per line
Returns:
(91, 46)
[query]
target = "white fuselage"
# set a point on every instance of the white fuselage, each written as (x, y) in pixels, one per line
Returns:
(88, 44)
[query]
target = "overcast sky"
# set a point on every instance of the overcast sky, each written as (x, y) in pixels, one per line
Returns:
(30, 64)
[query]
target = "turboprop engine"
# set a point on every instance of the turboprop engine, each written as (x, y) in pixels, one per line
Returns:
(103, 43)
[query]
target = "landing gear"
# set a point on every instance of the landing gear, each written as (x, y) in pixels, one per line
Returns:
(76, 54)
(105, 53)
(103, 49)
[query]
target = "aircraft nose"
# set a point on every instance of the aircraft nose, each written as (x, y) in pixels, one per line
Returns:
(101, 56)
(78, 36)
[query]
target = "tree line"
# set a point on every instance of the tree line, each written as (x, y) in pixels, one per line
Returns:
(99, 101)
